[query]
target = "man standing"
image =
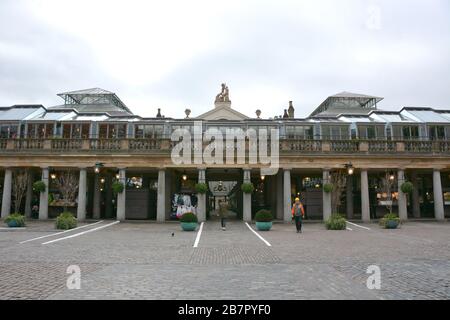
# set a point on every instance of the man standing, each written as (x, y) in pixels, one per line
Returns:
(298, 213)
(223, 212)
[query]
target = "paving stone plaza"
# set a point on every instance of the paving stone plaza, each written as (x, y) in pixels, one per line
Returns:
(144, 261)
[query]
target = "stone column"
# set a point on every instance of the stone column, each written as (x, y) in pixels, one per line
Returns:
(6, 199)
(201, 205)
(81, 208)
(349, 196)
(108, 196)
(365, 204)
(161, 200)
(247, 199)
(96, 206)
(29, 195)
(287, 216)
(438, 197)
(402, 200)
(43, 198)
(279, 195)
(121, 197)
(326, 195)
(415, 196)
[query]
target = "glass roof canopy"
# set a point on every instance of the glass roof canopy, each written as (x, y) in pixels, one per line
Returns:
(94, 96)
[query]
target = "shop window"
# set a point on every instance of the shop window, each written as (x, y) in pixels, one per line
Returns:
(371, 133)
(436, 132)
(49, 130)
(410, 132)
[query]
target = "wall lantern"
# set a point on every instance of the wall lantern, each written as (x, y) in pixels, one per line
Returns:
(350, 168)
(98, 165)
(391, 176)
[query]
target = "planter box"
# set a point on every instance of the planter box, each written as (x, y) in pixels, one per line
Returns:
(391, 224)
(188, 226)
(13, 224)
(263, 226)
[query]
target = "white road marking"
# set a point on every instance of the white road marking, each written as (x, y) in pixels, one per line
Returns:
(350, 229)
(199, 233)
(81, 233)
(12, 228)
(55, 234)
(357, 225)
(258, 235)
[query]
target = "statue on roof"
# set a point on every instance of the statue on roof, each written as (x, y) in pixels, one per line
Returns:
(223, 96)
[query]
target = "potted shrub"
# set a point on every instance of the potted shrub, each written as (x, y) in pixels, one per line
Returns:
(117, 187)
(66, 221)
(39, 186)
(201, 187)
(407, 187)
(263, 220)
(336, 222)
(390, 221)
(247, 187)
(188, 221)
(328, 187)
(15, 220)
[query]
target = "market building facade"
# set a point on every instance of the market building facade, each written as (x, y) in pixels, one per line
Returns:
(347, 142)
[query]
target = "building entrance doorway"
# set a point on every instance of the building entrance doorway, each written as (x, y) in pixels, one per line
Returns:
(219, 191)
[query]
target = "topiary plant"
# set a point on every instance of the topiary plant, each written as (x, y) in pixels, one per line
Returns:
(407, 187)
(15, 220)
(201, 187)
(263, 216)
(189, 217)
(336, 222)
(390, 221)
(328, 187)
(66, 221)
(247, 187)
(117, 187)
(39, 186)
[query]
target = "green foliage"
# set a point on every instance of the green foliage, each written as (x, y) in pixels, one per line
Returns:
(39, 186)
(188, 217)
(65, 221)
(389, 217)
(17, 218)
(247, 187)
(407, 187)
(328, 187)
(336, 222)
(263, 216)
(201, 188)
(117, 187)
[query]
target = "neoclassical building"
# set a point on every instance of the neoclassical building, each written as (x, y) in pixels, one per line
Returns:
(95, 136)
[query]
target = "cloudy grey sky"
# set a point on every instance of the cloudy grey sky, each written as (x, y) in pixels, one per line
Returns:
(175, 54)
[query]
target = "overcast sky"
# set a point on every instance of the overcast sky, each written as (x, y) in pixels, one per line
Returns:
(175, 54)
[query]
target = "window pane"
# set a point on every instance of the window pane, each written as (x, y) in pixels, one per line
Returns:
(49, 130)
(103, 131)
(139, 131)
(85, 128)
(121, 131)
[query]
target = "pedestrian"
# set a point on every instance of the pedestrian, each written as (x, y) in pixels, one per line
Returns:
(223, 212)
(298, 213)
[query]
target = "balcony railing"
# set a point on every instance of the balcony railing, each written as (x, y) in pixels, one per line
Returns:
(296, 146)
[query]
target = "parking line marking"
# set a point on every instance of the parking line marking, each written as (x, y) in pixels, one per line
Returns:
(350, 229)
(357, 225)
(81, 233)
(55, 234)
(199, 233)
(258, 235)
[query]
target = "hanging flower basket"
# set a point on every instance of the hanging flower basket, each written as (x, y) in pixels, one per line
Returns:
(39, 186)
(201, 188)
(118, 187)
(328, 187)
(407, 187)
(247, 187)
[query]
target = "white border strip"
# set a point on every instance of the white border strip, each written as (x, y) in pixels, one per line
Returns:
(357, 225)
(81, 233)
(258, 235)
(55, 234)
(349, 229)
(199, 233)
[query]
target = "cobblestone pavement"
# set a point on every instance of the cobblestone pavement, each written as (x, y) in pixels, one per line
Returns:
(144, 261)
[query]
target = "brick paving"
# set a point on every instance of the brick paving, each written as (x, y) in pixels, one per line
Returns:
(144, 261)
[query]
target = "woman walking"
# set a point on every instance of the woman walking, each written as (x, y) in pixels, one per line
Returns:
(223, 212)
(298, 213)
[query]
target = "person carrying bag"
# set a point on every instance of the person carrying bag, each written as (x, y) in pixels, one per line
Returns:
(298, 213)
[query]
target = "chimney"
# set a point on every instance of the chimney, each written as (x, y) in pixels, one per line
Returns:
(285, 115)
(291, 110)
(158, 115)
